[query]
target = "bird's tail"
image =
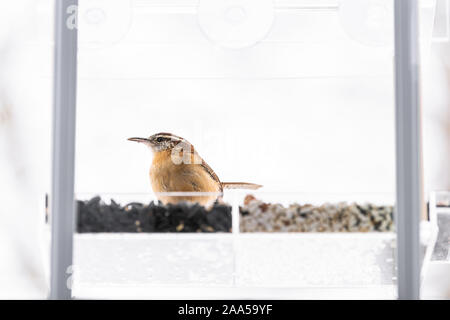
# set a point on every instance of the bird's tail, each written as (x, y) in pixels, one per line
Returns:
(240, 185)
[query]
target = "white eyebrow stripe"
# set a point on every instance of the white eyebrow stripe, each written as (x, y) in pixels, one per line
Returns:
(171, 137)
(166, 136)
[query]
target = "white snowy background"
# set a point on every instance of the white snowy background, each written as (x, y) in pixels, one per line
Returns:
(310, 108)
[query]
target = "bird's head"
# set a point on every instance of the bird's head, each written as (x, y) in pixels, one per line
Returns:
(161, 141)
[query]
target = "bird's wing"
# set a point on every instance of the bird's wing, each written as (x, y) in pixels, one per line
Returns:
(210, 171)
(194, 156)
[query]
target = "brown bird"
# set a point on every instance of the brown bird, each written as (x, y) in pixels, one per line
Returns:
(177, 167)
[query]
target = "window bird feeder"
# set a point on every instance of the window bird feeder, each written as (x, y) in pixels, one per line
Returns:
(226, 32)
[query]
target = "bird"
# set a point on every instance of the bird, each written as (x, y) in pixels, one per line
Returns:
(177, 167)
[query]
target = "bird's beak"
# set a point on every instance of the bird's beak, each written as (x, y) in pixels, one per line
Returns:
(143, 140)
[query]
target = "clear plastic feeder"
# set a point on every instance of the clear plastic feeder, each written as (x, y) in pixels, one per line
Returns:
(297, 95)
(241, 265)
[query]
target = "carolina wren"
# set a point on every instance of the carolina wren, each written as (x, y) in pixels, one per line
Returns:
(177, 167)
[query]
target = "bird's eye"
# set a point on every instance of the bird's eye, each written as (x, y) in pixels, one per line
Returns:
(159, 139)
